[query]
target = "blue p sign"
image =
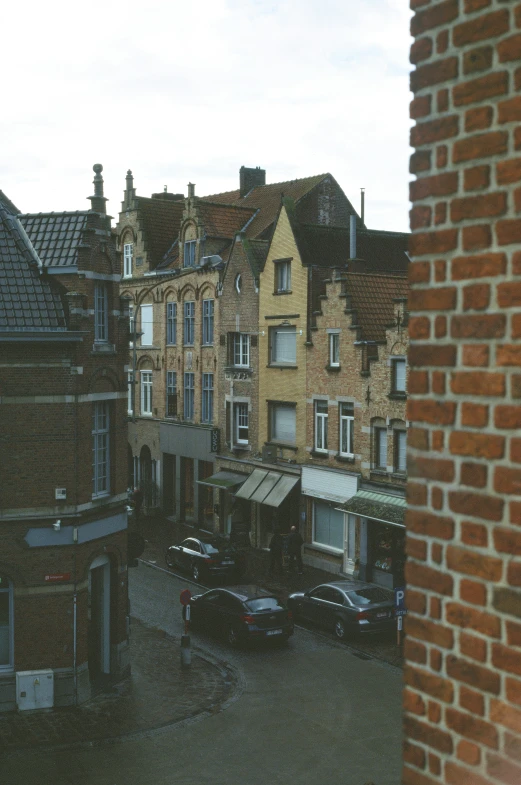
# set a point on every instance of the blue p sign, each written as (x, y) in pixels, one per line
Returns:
(399, 601)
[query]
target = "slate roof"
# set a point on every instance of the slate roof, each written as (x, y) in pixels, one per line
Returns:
(56, 236)
(257, 251)
(371, 296)
(160, 222)
(222, 220)
(28, 302)
(8, 204)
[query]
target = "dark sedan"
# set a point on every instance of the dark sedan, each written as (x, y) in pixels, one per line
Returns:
(346, 607)
(241, 614)
(205, 558)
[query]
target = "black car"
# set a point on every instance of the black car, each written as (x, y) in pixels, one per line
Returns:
(346, 607)
(204, 558)
(241, 614)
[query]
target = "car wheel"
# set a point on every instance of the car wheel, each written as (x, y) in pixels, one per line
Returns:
(232, 636)
(340, 629)
(168, 559)
(196, 572)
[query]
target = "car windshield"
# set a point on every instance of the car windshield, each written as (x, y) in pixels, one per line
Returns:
(264, 604)
(217, 546)
(369, 596)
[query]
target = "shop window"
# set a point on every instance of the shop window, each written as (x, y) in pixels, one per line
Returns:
(146, 393)
(171, 323)
(400, 451)
(6, 624)
(189, 395)
(387, 554)
(347, 422)
(147, 325)
(283, 349)
(171, 394)
(321, 416)
(328, 526)
(398, 375)
(283, 423)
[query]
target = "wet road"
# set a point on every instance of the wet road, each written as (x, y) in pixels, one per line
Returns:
(308, 713)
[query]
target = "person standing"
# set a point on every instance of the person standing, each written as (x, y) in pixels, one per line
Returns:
(295, 543)
(276, 546)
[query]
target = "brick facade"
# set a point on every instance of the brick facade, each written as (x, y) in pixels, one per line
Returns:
(462, 716)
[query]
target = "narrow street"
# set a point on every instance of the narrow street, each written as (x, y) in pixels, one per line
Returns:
(311, 712)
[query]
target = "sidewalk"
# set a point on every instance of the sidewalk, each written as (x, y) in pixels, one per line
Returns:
(161, 532)
(159, 693)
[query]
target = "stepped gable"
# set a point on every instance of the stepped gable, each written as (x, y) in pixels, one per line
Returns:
(371, 296)
(28, 301)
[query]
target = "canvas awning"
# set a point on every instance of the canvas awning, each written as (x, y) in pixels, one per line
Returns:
(378, 507)
(224, 480)
(265, 487)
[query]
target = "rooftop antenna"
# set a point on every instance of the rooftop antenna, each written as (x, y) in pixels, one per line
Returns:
(362, 205)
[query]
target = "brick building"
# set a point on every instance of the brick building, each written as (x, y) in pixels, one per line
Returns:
(462, 702)
(63, 566)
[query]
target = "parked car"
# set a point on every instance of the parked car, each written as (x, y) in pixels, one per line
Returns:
(241, 614)
(205, 558)
(346, 607)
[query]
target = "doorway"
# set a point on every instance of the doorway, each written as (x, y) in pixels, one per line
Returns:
(98, 615)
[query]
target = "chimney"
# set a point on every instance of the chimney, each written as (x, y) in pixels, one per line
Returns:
(352, 236)
(165, 196)
(130, 192)
(191, 190)
(97, 202)
(251, 178)
(362, 207)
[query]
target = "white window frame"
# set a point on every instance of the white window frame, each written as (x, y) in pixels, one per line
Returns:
(100, 448)
(325, 546)
(171, 392)
(347, 422)
(276, 334)
(7, 588)
(128, 253)
(101, 313)
(398, 379)
(283, 276)
(130, 380)
(189, 396)
(241, 350)
(189, 253)
(241, 423)
(171, 323)
(274, 409)
(380, 439)
(189, 322)
(321, 424)
(208, 322)
(207, 398)
(147, 324)
(334, 350)
(146, 393)
(400, 451)
(131, 322)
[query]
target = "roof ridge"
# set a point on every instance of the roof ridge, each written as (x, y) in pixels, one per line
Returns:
(224, 204)
(295, 180)
(378, 274)
(58, 212)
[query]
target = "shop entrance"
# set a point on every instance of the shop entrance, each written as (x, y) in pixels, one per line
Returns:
(187, 489)
(386, 555)
(98, 616)
(169, 469)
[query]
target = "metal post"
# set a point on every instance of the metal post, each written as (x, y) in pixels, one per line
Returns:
(186, 654)
(399, 624)
(134, 363)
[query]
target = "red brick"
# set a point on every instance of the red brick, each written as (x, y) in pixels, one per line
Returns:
(507, 541)
(478, 119)
(470, 618)
(433, 17)
(477, 237)
(438, 440)
(508, 171)
(477, 383)
(429, 525)
(442, 42)
(473, 647)
(512, 745)
(478, 326)
(485, 26)
(418, 382)
(432, 355)
(434, 712)
(505, 715)
(428, 631)
(477, 90)
(471, 701)
(503, 770)
(472, 592)
(440, 326)
(515, 450)
(433, 299)
(515, 515)
(475, 178)
(506, 659)
(418, 438)
(421, 49)
(414, 651)
(422, 681)
(440, 217)
(420, 107)
(516, 263)
(420, 217)
(509, 111)
(414, 777)
(442, 154)
(420, 161)
(477, 676)
(474, 534)
(509, 48)
(508, 232)
(516, 325)
(413, 754)
(457, 775)
(508, 354)
(507, 417)
(416, 602)
(419, 272)
(479, 146)
(476, 355)
(470, 562)
(426, 734)
(431, 468)
(514, 573)
(442, 100)
(476, 5)
(435, 608)
(438, 383)
(413, 703)
(428, 578)
(434, 73)
(438, 185)
(477, 445)
(419, 327)
(483, 206)
(434, 764)
(509, 294)
(489, 508)
(468, 752)
(434, 412)
(440, 269)
(435, 660)
(416, 494)
(435, 130)
(417, 549)
(482, 266)
(514, 639)
(474, 415)
(472, 728)
(479, 59)
(436, 551)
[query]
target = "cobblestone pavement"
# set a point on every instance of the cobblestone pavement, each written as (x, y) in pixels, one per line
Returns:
(160, 532)
(159, 693)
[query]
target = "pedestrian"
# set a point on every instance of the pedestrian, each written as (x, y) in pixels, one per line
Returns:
(295, 543)
(137, 500)
(276, 547)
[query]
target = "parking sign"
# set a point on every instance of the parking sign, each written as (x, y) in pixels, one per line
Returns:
(399, 601)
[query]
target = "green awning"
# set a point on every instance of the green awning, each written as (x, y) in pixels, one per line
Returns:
(224, 480)
(267, 487)
(381, 507)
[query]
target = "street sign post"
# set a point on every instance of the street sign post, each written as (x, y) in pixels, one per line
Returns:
(399, 611)
(186, 655)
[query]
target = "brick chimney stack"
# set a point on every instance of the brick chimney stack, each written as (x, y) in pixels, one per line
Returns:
(251, 178)
(98, 201)
(130, 192)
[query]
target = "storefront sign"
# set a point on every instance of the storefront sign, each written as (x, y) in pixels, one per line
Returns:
(215, 439)
(399, 601)
(57, 577)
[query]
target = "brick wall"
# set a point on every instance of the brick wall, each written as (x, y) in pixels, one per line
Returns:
(462, 701)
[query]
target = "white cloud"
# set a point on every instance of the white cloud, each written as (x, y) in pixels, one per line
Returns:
(182, 91)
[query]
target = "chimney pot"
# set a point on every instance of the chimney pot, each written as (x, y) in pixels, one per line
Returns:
(250, 177)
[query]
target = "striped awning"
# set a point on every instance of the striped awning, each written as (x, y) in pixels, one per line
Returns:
(381, 507)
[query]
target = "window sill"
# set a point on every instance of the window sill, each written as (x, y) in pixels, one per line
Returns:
(283, 445)
(207, 345)
(333, 368)
(319, 453)
(399, 475)
(100, 496)
(282, 291)
(380, 472)
(318, 546)
(397, 396)
(281, 366)
(345, 458)
(103, 348)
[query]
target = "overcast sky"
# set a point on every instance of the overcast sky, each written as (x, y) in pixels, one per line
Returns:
(190, 91)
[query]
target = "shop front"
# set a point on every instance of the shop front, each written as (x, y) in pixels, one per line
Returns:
(379, 518)
(273, 500)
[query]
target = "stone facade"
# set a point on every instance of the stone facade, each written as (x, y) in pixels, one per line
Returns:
(462, 706)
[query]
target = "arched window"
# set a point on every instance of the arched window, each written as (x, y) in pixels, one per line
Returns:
(6, 624)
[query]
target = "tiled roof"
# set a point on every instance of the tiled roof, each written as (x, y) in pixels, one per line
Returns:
(329, 246)
(222, 220)
(160, 222)
(10, 207)
(371, 296)
(27, 301)
(257, 251)
(56, 236)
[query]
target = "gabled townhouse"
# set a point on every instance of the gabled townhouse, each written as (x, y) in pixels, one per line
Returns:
(63, 564)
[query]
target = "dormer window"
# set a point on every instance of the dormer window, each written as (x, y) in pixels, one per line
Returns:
(189, 253)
